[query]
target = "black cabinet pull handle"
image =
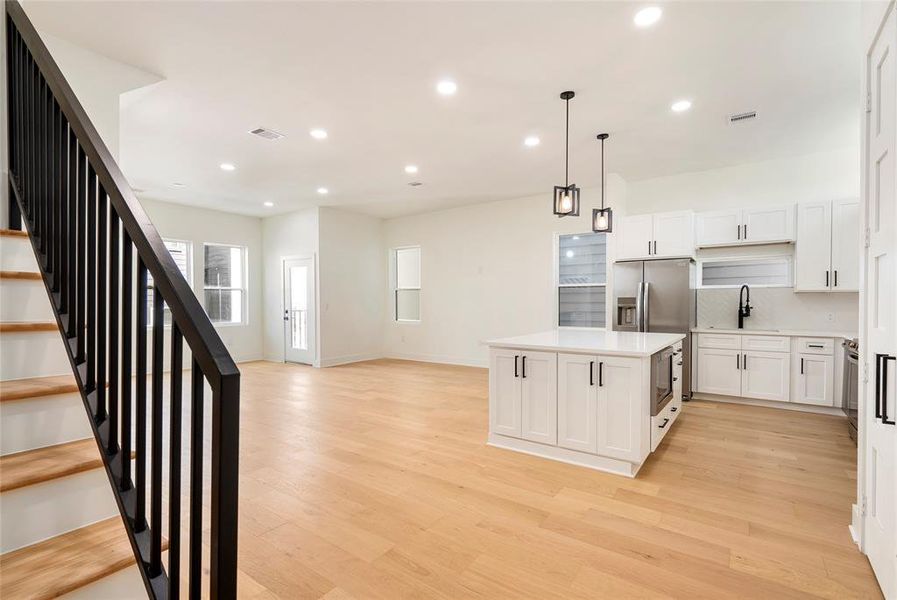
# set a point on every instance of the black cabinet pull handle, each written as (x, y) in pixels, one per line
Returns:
(739, 231)
(679, 363)
(820, 346)
(745, 362)
(601, 374)
(649, 247)
(665, 421)
(836, 278)
(675, 379)
(674, 409)
(591, 372)
(516, 356)
(738, 361)
(523, 363)
(826, 279)
(801, 366)
(655, 247)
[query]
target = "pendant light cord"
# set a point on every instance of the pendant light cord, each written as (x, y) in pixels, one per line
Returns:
(602, 175)
(567, 150)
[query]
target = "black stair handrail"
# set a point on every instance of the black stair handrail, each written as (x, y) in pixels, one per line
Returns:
(84, 223)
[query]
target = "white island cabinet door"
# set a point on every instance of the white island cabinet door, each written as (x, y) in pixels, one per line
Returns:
(620, 407)
(577, 397)
(538, 378)
(768, 224)
(813, 251)
(815, 380)
(718, 228)
(845, 246)
(719, 371)
(636, 237)
(504, 392)
(766, 375)
(674, 234)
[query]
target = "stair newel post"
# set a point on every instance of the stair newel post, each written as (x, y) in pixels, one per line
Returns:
(156, 438)
(225, 454)
(127, 288)
(114, 266)
(140, 404)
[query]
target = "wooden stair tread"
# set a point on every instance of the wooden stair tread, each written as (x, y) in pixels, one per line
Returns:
(28, 275)
(44, 464)
(66, 562)
(13, 233)
(35, 387)
(27, 326)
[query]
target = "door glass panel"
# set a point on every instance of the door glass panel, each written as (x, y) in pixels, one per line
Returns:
(299, 307)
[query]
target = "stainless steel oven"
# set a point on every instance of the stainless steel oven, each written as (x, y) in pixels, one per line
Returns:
(662, 379)
(851, 386)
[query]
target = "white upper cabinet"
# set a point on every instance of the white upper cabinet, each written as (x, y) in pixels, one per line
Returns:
(846, 246)
(661, 235)
(826, 257)
(734, 227)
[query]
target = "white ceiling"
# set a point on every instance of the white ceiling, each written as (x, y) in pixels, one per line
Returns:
(366, 72)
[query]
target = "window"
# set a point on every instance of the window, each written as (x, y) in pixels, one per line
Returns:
(582, 280)
(407, 284)
(224, 283)
(182, 253)
(769, 271)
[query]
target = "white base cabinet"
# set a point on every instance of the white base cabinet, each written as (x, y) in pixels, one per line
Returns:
(815, 377)
(719, 371)
(523, 389)
(766, 375)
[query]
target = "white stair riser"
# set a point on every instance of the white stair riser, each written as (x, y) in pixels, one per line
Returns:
(32, 354)
(22, 300)
(44, 421)
(123, 585)
(16, 254)
(37, 512)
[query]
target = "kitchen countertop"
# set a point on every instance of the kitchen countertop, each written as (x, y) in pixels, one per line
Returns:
(620, 343)
(784, 332)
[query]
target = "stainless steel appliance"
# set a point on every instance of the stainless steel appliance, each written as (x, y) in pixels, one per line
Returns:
(657, 296)
(851, 385)
(662, 379)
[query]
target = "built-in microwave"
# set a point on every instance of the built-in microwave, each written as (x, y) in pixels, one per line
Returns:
(662, 379)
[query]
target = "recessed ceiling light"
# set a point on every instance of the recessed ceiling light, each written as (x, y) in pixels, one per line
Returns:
(269, 204)
(570, 254)
(318, 134)
(323, 191)
(447, 87)
(647, 16)
(532, 141)
(227, 167)
(411, 169)
(681, 105)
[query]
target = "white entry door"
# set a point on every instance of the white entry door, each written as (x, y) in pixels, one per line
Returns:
(299, 310)
(879, 406)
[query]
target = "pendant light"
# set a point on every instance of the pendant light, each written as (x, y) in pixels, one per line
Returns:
(602, 218)
(566, 197)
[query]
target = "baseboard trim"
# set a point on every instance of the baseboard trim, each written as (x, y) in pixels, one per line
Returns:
(856, 526)
(819, 410)
(437, 359)
(348, 359)
(572, 457)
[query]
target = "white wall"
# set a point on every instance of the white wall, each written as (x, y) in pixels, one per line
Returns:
(825, 175)
(291, 235)
(487, 270)
(200, 226)
(353, 268)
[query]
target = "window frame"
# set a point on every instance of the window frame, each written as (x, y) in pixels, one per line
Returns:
(394, 284)
(771, 258)
(188, 276)
(244, 290)
(557, 285)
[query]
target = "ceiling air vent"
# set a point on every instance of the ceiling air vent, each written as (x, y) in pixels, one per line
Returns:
(268, 134)
(415, 183)
(741, 117)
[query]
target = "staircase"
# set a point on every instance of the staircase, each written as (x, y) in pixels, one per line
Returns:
(116, 480)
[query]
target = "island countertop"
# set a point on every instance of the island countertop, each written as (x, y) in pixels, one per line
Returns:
(622, 343)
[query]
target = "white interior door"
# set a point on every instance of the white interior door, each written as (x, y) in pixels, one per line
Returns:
(299, 310)
(880, 438)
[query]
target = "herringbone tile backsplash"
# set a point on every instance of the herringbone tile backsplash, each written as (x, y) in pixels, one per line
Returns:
(781, 308)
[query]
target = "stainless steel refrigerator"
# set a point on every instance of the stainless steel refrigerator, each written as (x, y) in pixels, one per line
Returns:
(657, 296)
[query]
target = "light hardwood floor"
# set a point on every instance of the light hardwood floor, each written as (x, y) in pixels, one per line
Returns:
(373, 480)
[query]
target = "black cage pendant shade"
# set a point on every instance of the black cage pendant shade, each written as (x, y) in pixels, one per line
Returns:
(602, 218)
(566, 197)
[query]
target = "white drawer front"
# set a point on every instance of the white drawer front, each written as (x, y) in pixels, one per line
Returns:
(815, 346)
(766, 343)
(720, 341)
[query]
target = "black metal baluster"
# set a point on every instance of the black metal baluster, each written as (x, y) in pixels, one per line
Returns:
(82, 288)
(174, 465)
(42, 170)
(71, 247)
(112, 441)
(156, 440)
(13, 118)
(140, 392)
(61, 217)
(91, 334)
(196, 438)
(127, 286)
(102, 240)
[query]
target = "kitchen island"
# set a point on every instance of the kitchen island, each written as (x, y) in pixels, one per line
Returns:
(585, 396)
